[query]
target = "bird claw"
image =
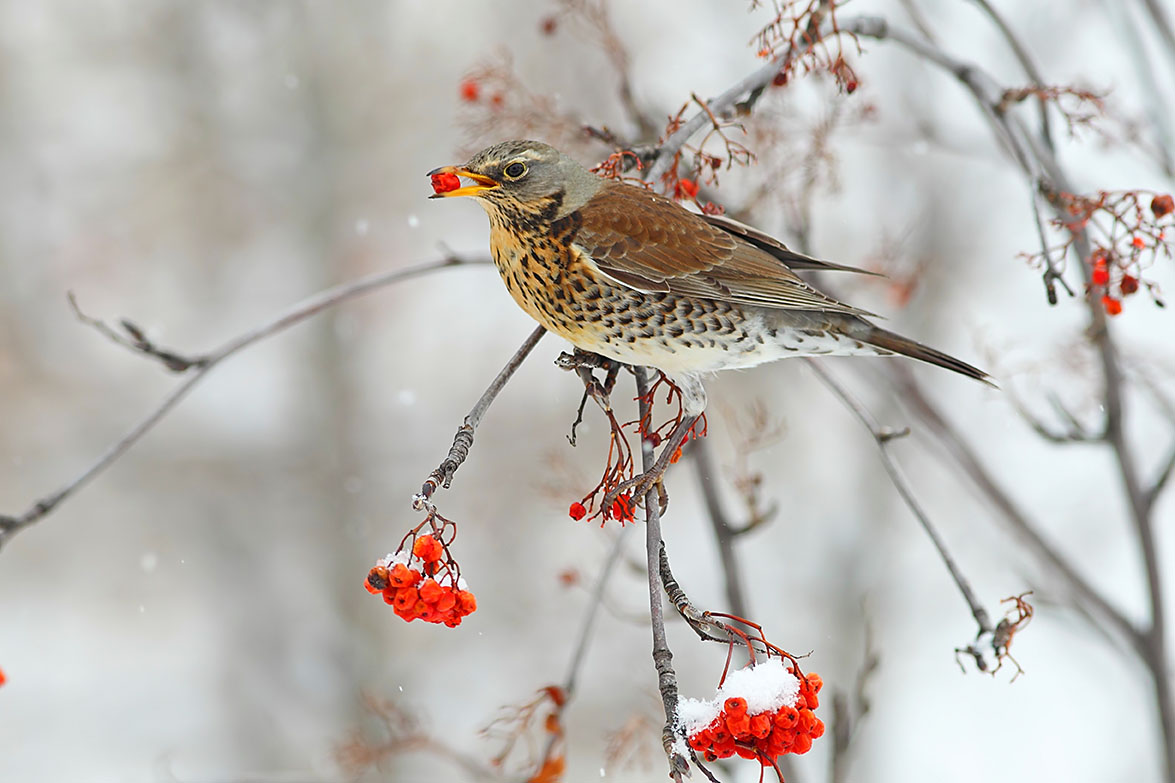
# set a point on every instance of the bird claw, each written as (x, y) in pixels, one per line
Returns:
(580, 359)
(638, 488)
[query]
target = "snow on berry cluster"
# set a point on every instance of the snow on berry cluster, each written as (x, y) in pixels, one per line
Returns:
(760, 712)
(407, 582)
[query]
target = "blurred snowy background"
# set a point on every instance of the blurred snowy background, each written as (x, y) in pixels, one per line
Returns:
(197, 613)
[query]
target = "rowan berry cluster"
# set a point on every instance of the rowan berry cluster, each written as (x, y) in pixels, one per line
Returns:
(764, 714)
(408, 583)
(1100, 276)
(1128, 230)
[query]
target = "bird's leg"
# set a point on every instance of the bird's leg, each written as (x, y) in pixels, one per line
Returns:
(638, 486)
(693, 403)
(583, 363)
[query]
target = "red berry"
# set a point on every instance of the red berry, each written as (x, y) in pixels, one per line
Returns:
(406, 597)
(1100, 275)
(1162, 205)
(403, 576)
(786, 717)
(466, 602)
(443, 183)
(686, 188)
(430, 591)
(739, 725)
(469, 90)
(1128, 285)
(1112, 305)
(577, 511)
(735, 705)
(428, 549)
(377, 579)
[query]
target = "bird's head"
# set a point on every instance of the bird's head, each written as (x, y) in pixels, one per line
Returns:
(526, 176)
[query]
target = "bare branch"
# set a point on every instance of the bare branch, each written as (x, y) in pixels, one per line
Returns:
(589, 620)
(579, 651)
(848, 710)
(135, 339)
(883, 436)
(1045, 172)
(662, 655)
(1073, 430)
(463, 440)
(199, 367)
(1026, 62)
(1163, 24)
(911, 395)
(757, 80)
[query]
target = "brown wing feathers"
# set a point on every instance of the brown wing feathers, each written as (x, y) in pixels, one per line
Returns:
(645, 241)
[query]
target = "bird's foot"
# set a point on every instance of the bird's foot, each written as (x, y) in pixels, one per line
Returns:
(639, 486)
(580, 358)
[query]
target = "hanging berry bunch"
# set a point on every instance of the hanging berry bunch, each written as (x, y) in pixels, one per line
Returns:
(422, 581)
(760, 712)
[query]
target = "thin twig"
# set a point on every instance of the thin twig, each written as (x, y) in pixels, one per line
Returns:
(883, 437)
(579, 651)
(757, 80)
(911, 394)
(463, 440)
(199, 366)
(1042, 168)
(662, 655)
(849, 710)
(1145, 73)
(589, 620)
(918, 19)
(1051, 275)
(1160, 480)
(1163, 24)
(1026, 62)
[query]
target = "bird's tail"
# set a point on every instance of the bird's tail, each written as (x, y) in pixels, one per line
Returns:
(888, 341)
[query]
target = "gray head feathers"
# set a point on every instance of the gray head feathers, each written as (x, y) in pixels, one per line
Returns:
(532, 172)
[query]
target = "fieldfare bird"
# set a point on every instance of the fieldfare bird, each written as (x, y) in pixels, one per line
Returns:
(623, 272)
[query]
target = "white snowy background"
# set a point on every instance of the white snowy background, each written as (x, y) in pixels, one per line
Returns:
(197, 613)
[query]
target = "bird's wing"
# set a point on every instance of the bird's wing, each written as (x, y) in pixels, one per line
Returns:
(776, 248)
(649, 243)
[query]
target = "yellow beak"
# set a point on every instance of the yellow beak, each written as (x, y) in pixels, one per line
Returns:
(481, 181)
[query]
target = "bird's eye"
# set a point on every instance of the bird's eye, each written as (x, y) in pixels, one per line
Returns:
(515, 170)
